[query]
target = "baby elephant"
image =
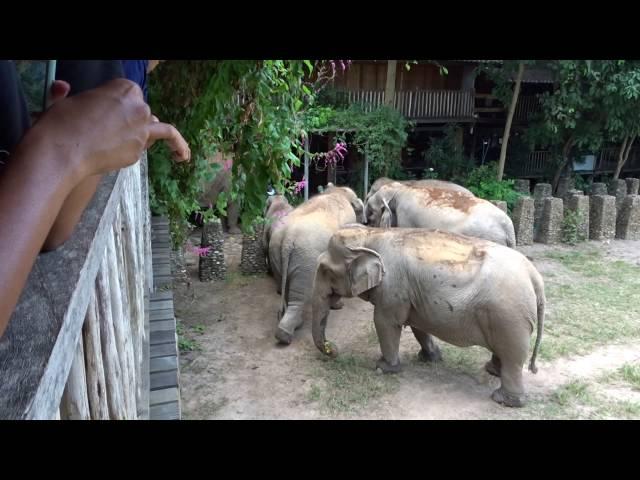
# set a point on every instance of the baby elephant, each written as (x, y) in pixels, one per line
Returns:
(463, 290)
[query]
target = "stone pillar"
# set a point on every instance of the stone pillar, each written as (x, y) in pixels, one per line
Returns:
(523, 220)
(252, 259)
(580, 204)
(633, 185)
(598, 188)
(540, 192)
(501, 204)
(522, 185)
(618, 188)
(628, 223)
(212, 266)
(551, 221)
(602, 217)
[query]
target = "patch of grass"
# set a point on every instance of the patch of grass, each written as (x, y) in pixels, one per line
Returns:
(186, 344)
(630, 373)
(198, 329)
(576, 390)
(465, 360)
(236, 279)
(600, 305)
(349, 384)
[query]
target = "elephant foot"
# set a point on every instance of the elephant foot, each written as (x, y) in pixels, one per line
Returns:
(385, 367)
(507, 399)
(434, 355)
(337, 305)
(492, 369)
(283, 336)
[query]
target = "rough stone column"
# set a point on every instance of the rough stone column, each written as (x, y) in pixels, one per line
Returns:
(540, 192)
(501, 204)
(598, 188)
(252, 259)
(633, 186)
(212, 266)
(618, 188)
(580, 204)
(523, 220)
(628, 223)
(551, 221)
(602, 217)
(522, 185)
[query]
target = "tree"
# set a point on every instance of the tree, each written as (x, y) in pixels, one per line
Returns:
(621, 101)
(572, 116)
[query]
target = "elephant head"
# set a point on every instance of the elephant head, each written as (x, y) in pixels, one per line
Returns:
(350, 195)
(377, 185)
(381, 206)
(346, 269)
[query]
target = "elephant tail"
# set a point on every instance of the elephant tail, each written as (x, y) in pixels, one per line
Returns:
(538, 285)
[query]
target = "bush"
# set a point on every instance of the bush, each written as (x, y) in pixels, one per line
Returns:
(570, 231)
(482, 182)
(447, 157)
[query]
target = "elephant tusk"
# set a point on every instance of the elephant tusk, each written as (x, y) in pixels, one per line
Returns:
(372, 252)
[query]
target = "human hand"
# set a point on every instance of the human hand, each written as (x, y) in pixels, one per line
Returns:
(102, 129)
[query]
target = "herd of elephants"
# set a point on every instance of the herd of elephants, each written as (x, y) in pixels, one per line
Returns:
(428, 254)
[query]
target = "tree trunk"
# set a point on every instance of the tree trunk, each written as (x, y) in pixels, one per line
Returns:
(566, 150)
(507, 128)
(623, 155)
(390, 86)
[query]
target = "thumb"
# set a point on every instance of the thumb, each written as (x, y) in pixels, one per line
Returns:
(59, 90)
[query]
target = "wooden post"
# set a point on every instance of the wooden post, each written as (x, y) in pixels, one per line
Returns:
(306, 167)
(507, 128)
(96, 386)
(75, 402)
(390, 88)
(112, 369)
(331, 169)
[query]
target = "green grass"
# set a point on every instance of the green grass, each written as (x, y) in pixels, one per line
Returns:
(185, 343)
(572, 392)
(630, 373)
(348, 384)
(600, 304)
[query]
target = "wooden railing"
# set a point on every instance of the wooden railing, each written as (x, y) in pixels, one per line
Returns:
(77, 344)
(526, 108)
(419, 104)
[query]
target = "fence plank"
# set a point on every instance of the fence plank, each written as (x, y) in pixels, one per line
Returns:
(96, 386)
(75, 402)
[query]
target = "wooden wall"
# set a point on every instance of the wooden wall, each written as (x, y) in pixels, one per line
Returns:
(372, 76)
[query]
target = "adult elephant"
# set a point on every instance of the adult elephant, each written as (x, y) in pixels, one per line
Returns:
(397, 205)
(276, 209)
(429, 182)
(222, 183)
(294, 248)
(463, 290)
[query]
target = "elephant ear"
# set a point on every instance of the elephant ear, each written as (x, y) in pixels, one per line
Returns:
(365, 271)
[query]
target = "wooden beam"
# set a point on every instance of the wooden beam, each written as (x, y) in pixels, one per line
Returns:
(390, 89)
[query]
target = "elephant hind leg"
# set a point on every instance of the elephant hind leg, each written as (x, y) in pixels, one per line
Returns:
(430, 352)
(512, 357)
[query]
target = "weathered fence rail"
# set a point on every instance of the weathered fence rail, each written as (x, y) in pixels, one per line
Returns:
(76, 346)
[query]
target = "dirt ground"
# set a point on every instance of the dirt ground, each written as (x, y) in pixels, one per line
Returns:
(235, 370)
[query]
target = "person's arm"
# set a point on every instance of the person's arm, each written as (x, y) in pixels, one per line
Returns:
(55, 156)
(33, 187)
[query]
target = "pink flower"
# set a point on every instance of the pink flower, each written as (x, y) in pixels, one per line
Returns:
(200, 251)
(300, 185)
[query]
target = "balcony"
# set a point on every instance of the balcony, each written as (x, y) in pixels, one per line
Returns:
(421, 105)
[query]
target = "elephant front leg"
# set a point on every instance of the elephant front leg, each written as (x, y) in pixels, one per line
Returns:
(430, 352)
(389, 330)
(233, 212)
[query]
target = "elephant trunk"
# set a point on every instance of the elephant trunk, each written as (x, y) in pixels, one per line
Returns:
(320, 306)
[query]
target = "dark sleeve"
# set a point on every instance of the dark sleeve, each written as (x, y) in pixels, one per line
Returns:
(14, 116)
(87, 74)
